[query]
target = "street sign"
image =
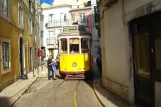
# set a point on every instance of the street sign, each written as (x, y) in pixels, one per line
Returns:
(70, 27)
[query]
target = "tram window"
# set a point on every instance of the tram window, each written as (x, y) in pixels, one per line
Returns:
(74, 45)
(84, 45)
(63, 46)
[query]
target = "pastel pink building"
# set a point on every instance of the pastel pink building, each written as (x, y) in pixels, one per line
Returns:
(82, 16)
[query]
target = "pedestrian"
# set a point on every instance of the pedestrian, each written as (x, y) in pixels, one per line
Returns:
(99, 62)
(57, 65)
(50, 69)
(54, 69)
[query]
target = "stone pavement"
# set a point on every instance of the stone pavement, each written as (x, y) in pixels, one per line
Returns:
(12, 93)
(106, 98)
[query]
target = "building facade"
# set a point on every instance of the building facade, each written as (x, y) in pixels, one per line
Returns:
(74, 3)
(82, 16)
(130, 41)
(52, 20)
(19, 33)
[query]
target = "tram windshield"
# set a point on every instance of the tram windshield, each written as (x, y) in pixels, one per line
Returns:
(74, 45)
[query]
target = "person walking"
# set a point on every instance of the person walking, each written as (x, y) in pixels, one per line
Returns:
(50, 69)
(54, 69)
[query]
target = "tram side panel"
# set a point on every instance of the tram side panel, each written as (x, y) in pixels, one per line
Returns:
(74, 63)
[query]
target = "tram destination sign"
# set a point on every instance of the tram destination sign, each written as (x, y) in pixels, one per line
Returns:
(68, 28)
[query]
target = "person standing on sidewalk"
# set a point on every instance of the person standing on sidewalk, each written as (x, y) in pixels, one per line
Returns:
(50, 69)
(99, 62)
(54, 69)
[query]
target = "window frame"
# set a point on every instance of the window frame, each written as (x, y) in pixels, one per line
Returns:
(4, 71)
(73, 17)
(20, 6)
(82, 18)
(8, 11)
(30, 26)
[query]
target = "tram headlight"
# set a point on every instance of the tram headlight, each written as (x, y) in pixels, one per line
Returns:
(74, 64)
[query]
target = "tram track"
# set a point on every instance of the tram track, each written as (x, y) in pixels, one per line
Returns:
(54, 91)
(50, 95)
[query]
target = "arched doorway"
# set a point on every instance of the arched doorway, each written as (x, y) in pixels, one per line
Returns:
(21, 56)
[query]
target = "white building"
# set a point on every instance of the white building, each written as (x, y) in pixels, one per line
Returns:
(52, 20)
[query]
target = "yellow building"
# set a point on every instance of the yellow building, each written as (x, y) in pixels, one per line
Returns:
(19, 39)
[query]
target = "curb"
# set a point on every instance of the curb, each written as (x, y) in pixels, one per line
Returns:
(94, 88)
(20, 93)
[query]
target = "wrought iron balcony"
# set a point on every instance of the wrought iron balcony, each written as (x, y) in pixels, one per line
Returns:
(51, 41)
(57, 23)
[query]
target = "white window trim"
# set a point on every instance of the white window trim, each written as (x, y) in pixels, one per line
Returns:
(10, 68)
(2, 15)
(22, 27)
(30, 28)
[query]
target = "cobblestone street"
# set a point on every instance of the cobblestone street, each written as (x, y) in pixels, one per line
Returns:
(59, 93)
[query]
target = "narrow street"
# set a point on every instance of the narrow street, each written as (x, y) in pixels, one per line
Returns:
(59, 93)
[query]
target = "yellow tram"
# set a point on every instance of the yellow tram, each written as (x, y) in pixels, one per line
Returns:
(74, 51)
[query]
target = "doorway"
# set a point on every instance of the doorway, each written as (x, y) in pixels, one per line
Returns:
(21, 42)
(31, 62)
(146, 38)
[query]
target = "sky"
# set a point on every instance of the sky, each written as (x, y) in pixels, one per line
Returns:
(46, 1)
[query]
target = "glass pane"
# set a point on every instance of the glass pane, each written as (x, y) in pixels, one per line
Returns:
(5, 7)
(74, 45)
(63, 46)
(5, 49)
(158, 54)
(142, 55)
(84, 45)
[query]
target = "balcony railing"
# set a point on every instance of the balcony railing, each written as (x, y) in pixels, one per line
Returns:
(51, 40)
(57, 23)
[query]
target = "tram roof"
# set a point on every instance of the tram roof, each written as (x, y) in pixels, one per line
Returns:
(75, 33)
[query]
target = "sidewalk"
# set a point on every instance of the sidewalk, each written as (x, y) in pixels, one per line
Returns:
(106, 98)
(13, 92)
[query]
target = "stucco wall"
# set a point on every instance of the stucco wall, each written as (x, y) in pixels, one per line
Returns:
(118, 76)
(117, 53)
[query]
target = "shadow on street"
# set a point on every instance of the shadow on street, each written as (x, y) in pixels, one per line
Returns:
(4, 102)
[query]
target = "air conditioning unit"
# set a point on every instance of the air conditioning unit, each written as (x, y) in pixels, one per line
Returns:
(108, 3)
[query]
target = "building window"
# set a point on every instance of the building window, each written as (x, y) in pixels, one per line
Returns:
(30, 4)
(82, 18)
(65, 17)
(73, 17)
(51, 18)
(6, 55)
(30, 25)
(41, 17)
(21, 18)
(5, 7)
